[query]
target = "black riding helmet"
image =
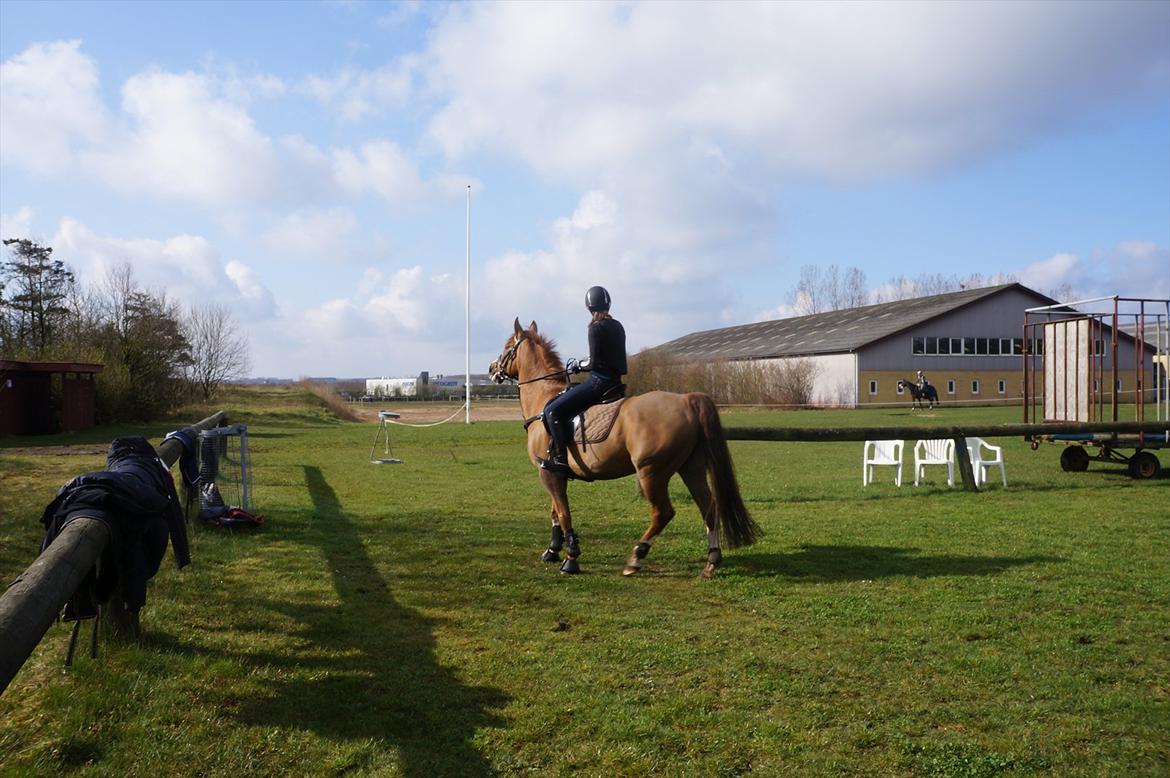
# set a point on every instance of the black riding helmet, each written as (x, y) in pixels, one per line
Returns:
(597, 299)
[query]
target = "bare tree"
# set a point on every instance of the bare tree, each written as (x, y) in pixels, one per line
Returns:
(219, 350)
(828, 289)
(854, 294)
(903, 288)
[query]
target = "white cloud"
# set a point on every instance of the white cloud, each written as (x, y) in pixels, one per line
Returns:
(657, 292)
(359, 94)
(187, 267)
(190, 136)
(323, 235)
(1051, 273)
(846, 91)
(380, 167)
(51, 104)
(1133, 268)
(17, 225)
(186, 142)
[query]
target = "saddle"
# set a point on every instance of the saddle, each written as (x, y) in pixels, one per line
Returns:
(595, 424)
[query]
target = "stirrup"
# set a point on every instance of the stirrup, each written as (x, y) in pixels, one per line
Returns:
(553, 466)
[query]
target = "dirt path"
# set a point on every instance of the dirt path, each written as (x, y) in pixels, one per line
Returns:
(429, 413)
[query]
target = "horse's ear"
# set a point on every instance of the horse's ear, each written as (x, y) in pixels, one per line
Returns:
(532, 327)
(518, 329)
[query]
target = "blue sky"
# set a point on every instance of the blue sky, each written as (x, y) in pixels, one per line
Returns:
(307, 163)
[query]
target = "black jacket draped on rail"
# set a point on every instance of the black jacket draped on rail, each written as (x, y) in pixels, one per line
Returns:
(135, 498)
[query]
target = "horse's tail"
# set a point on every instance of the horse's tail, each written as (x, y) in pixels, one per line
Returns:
(739, 529)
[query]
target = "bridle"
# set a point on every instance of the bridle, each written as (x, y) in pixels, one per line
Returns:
(508, 357)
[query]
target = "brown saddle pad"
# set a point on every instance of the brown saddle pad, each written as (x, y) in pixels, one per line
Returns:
(599, 421)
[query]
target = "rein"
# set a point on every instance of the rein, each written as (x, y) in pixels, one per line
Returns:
(544, 377)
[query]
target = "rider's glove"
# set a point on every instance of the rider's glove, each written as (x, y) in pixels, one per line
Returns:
(572, 366)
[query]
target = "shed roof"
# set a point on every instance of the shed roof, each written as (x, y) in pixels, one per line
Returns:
(832, 332)
(20, 366)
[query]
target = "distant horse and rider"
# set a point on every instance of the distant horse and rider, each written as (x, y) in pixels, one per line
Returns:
(653, 436)
(921, 393)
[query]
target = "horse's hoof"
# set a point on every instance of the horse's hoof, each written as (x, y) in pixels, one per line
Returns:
(708, 572)
(550, 556)
(570, 567)
(631, 570)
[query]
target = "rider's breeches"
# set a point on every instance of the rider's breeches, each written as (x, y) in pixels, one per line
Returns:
(561, 409)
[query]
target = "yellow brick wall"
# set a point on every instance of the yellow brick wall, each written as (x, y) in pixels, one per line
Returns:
(887, 386)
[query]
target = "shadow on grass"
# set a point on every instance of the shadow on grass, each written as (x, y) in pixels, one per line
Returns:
(371, 671)
(858, 563)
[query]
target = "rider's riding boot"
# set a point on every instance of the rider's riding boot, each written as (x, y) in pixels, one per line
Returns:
(557, 462)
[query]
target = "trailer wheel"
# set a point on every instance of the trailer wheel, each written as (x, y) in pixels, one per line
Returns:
(1143, 464)
(1074, 459)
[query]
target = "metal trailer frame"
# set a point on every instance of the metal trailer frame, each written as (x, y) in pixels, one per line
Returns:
(1060, 383)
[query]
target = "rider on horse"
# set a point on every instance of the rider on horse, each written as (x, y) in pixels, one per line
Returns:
(607, 365)
(922, 382)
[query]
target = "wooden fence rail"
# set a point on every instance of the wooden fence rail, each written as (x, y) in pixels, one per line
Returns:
(30, 605)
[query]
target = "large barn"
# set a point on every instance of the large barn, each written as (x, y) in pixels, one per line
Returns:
(969, 344)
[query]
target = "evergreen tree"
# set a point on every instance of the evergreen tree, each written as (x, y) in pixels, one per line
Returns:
(33, 290)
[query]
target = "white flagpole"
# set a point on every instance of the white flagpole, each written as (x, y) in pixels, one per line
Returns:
(467, 352)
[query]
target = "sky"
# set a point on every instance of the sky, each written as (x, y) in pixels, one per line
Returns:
(308, 163)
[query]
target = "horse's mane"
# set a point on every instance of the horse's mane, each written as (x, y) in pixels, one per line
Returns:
(549, 347)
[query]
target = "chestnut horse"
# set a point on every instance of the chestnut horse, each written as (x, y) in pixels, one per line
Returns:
(655, 436)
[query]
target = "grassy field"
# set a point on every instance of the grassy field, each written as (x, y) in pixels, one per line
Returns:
(396, 620)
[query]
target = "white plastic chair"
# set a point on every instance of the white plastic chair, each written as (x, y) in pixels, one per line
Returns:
(885, 452)
(981, 463)
(934, 452)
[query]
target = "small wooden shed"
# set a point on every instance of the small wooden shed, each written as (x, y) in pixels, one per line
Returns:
(40, 398)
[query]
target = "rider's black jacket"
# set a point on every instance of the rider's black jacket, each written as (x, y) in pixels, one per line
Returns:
(607, 348)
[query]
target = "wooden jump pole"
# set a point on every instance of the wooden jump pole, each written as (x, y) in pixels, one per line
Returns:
(957, 434)
(31, 604)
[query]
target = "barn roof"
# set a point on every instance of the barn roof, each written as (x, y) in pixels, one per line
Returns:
(825, 333)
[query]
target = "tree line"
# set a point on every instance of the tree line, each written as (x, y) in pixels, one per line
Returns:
(157, 353)
(831, 288)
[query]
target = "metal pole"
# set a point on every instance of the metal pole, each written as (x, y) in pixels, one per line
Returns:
(30, 605)
(467, 349)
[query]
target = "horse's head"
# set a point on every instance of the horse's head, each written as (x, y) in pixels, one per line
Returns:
(505, 366)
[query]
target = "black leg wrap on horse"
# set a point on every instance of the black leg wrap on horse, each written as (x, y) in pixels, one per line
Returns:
(714, 557)
(574, 544)
(641, 550)
(553, 552)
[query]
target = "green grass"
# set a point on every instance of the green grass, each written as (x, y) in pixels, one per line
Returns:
(396, 619)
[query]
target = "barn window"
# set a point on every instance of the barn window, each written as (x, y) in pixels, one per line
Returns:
(1001, 385)
(981, 346)
(968, 345)
(950, 386)
(918, 346)
(899, 389)
(1018, 347)
(1005, 346)
(872, 386)
(974, 386)
(944, 345)
(993, 346)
